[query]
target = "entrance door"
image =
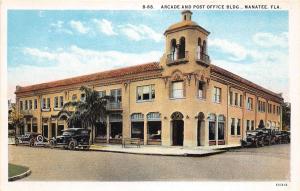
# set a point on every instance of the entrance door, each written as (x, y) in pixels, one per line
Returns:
(199, 133)
(28, 127)
(45, 131)
(53, 130)
(178, 127)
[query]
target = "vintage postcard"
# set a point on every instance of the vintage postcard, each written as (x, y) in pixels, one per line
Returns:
(138, 95)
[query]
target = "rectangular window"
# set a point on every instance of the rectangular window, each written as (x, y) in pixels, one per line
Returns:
(201, 90)
(250, 103)
(241, 100)
(74, 97)
(61, 101)
(274, 109)
(26, 104)
(236, 99)
(145, 93)
(82, 97)
(221, 131)
(230, 97)
(248, 125)
(252, 125)
(30, 104)
(238, 130)
(232, 126)
(21, 105)
(116, 95)
(212, 130)
(44, 103)
(35, 104)
(48, 103)
(55, 102)
(217, 95)
(102, 94)
(177, 89)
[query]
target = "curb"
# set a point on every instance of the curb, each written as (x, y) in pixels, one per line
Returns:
(160, 154)
(17, 177)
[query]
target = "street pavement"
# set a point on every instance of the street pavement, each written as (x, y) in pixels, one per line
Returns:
(269, 163)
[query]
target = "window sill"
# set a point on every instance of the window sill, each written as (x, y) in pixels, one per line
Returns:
(172, 98)
(236, 106)
(142, 101)
(57, 109)
(46, 109)
(217, 102)
(201, 98)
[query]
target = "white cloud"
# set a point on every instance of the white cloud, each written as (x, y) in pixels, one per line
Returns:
(58, 27)
(70, 62)
(140, 32)
(79, 27)
(268, 40)
(236, 51)
(266, 67)
(105, 27)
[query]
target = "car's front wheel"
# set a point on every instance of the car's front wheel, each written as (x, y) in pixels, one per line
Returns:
(72, 145)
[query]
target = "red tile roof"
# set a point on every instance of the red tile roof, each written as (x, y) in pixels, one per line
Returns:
(153, 66)
(226, 73)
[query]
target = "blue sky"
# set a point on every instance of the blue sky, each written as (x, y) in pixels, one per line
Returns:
(50, 45)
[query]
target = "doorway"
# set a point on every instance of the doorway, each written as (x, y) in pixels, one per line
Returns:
(178, 132)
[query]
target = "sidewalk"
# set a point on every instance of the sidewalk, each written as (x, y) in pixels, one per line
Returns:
(163, 150)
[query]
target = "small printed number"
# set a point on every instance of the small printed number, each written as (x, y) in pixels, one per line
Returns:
(281, 184)
(147, 6)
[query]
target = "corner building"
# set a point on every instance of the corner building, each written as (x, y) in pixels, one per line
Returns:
(182, 100)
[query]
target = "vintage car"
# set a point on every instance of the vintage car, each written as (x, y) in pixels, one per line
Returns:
(253, 138)
(72, 139)
(269, 136)
(32, 139)
(286, 137)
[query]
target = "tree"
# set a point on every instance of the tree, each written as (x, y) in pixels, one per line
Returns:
(88, 111)
(286, 115)
(15, 119)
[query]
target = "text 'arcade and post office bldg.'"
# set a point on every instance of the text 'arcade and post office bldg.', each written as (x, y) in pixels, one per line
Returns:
(181, 100)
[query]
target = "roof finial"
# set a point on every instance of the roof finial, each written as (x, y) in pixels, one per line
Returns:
(186, 15)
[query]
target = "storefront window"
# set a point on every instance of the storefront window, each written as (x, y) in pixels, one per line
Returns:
(221, 124)
(212, 127)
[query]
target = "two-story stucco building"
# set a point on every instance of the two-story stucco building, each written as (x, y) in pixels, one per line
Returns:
(181, 100)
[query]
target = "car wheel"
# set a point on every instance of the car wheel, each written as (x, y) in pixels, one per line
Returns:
(39, 138)
(31, 142)
(72, 145)
(52, 144)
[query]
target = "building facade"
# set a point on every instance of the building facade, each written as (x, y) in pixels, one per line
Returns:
(181, 100)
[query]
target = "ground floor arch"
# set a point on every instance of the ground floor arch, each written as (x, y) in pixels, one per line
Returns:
(177, 129)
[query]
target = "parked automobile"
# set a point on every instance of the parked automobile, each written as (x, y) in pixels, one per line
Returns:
(32, 139)
(279, 137)
(72, 139)
(253, 138)
(286, 136)
(269, 136)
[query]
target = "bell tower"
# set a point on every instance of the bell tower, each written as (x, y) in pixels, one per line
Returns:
(186, 46)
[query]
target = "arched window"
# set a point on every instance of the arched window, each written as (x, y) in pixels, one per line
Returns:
(177, 116)
(204, 47)
(173, 49)
(181, 53)
(212, 127)
(221, 125)
(199, 49)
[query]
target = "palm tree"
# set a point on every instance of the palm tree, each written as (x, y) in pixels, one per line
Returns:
(88, 111)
